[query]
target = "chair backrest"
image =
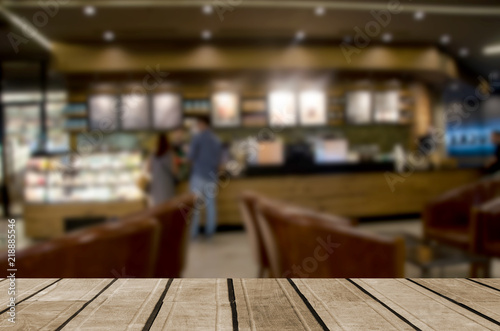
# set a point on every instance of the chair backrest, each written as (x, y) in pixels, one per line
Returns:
(247, 206)
(113, 249)
(174, 217)
(315, 247)
(454, 207)
(486, 228)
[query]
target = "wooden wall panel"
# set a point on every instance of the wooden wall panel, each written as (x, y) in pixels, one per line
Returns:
(350, 195)
(75, 58)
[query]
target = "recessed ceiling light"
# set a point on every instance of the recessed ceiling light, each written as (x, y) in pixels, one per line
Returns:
(108, 35)
(387, 37)
(319, 11)
(445, 39)
(491, 50)
(207, 9)
(463, 52)
(89, 10)
(300, 35)
(419, 15)
(206, 34)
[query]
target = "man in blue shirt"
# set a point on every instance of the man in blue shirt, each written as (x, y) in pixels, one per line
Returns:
(205, 154)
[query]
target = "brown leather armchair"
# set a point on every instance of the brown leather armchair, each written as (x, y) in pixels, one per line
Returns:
(112, 249)
(247, 204)
(174, 219)
(300, 247)
(486, 229)
(447, 218)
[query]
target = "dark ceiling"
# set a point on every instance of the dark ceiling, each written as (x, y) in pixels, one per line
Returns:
(470, 24)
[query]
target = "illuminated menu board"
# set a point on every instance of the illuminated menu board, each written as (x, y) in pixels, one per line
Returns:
(103, 112)
(386, 106)
(282, 108)
(359, 107)
(312, 105)
(167, 112)
(225, 109)
(135, 112)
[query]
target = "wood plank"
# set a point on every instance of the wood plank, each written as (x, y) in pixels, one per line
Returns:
(340, 304)
(271, 304)
(24, 288)
(493, 282)
(53, 306)
(195, 304)
(475, 296)
(126, 304)
(423, 308)
(255, 304)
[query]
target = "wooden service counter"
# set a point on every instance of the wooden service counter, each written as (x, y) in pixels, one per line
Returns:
(47, 220)
(355, 195)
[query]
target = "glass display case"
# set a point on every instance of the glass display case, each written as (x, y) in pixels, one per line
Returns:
(57, 136)
(100, 177)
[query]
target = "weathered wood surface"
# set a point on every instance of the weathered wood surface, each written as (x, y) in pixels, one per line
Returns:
(253, 304)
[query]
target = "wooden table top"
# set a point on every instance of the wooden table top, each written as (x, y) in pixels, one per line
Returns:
(253, 304)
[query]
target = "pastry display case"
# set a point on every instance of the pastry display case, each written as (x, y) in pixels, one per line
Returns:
(60, 188)
(70, 178)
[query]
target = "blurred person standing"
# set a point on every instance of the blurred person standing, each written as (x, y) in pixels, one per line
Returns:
(494, 164)
(180, 148)
(163, 170)
(205, 153)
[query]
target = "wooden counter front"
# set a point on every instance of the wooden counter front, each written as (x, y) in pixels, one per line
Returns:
(46, 220)
(349, 194)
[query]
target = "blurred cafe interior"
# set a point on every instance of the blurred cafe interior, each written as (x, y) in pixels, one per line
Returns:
(343, 138)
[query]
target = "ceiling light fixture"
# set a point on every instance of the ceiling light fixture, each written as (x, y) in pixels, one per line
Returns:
(492, 50)
(463, 52)
(419, 15)
(300, 35)
(387, 37)
(206, 34)
(319, 11)
(445, 39)
(108, 35)
(89, 10)
(207, 9)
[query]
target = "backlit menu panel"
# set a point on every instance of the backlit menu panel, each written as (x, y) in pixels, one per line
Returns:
(135, 112)
(103, 112)
(282, 109)
(167, 111)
